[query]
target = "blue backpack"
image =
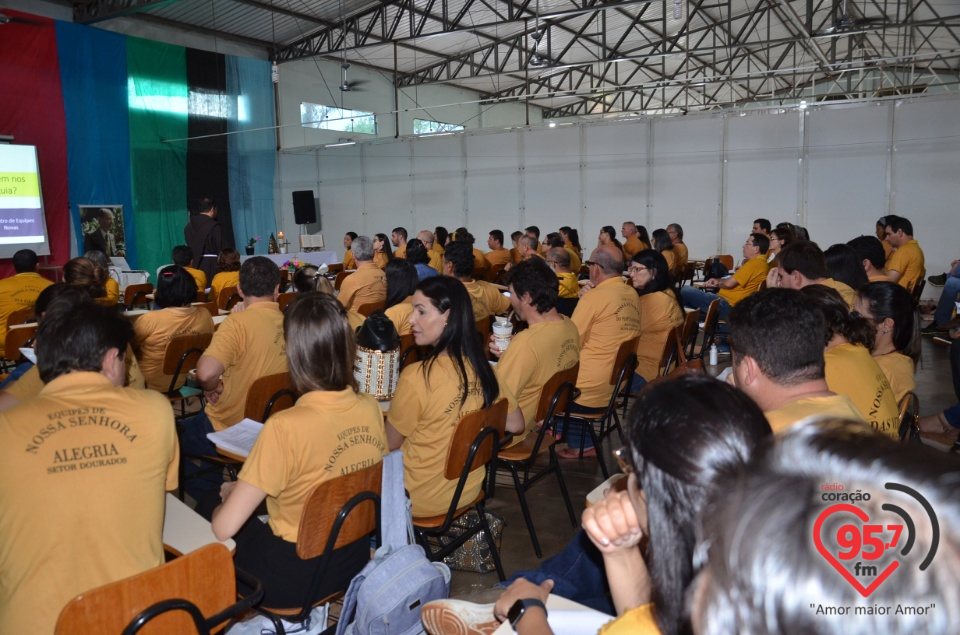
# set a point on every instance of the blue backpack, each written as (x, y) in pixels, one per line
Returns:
(386, 596)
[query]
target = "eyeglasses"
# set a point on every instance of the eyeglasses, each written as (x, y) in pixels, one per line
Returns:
(638, 269)
(589, 262)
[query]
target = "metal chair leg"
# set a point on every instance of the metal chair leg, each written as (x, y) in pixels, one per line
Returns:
(555, 466)
(522, 496)
(491, 543)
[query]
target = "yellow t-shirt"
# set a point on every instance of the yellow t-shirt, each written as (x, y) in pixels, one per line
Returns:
(112, 296)
(899, 370)
(18, 292)
(399, 314)
(348, 261)
(853, 372)
(324, 436)
(632, 246)
(638, 621)
(606, 316)
(534, 356)
(436, 261)
(438, 248)
(250, 345)
(671, 259)
(487, 299)
(84, 469)
(497, 257)
(786, 416)
(425, 410)
(659, 315)
(355, 320)
(683, 256)
(568, 285)
(380, 260)
(908, 261)
(846, 292)
(154, 330)
(515, 256)
(749, 275)
(401, 251)
(221, 281)
(367, 284)
(480, 261)
(575, 262)
(887, 249)
(199, 277)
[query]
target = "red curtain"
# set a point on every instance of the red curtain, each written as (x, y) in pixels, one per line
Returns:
(31, 110)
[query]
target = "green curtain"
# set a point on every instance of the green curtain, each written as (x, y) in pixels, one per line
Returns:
(158, 103)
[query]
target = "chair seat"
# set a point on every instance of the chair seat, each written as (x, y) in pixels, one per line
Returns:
(437, 521)
(296, 611)
(524, 450)
(594, 416)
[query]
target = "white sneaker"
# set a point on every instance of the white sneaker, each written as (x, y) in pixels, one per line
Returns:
(456, 617)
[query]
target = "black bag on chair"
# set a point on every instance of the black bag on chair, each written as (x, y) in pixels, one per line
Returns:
(378, 333)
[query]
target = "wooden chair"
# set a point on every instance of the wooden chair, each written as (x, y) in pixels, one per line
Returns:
(669, 352)
(919, 285)
(909, 430)
(338, 281)
(366, 309)
(711, 323)
(179, 357)
(607, 419)
(566, 306)
(474, 445)
(284, 299)
(284, 279)
(16, 339)
(725, 259)
(21, 316)
(409, 351)
(136, 294)
(337, 513)
(172, 598)
(688, 339)
(496, 273)
(555, 398)
(484, 330)
(334, 268)
(227, 298)
(201, 295)
(268, 395)
(211, 307)
(584, 272)
(687, 275)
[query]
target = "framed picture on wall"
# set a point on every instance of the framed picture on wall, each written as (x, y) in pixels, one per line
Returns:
(102, 227)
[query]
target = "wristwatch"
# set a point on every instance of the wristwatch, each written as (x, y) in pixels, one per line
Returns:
(519, 609)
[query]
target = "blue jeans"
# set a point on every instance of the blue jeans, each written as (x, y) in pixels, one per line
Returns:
(947, 298)
(578, 574)
(576, 434)
(696, 299)
(193, 440)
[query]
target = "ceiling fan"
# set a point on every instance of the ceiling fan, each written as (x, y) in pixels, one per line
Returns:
(346, 86)
(844, 21)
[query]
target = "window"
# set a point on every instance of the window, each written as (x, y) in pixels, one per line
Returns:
(340, 119)
(427, 126)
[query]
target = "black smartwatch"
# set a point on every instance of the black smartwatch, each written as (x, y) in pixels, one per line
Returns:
(519, 609)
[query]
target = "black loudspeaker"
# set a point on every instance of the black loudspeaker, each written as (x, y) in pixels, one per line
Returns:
(304, 208)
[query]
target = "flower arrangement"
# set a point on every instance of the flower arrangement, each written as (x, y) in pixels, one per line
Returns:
(294, 264)
(253, 241)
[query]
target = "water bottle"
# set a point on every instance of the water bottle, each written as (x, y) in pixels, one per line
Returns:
(713, 354)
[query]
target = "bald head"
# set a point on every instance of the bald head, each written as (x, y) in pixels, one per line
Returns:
(609, 259)
(426, 237)
(560, 257)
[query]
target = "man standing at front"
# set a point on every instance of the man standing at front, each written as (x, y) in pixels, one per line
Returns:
(248, 345)
(83, 471)
(204, 236)
(607, 315)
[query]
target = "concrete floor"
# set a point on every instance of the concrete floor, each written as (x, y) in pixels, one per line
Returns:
(934, 388)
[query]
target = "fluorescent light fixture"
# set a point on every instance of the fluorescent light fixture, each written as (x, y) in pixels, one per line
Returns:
(340, 144)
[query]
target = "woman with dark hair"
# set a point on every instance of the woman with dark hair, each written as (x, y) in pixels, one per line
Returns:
(850, 368)
(645, 533)
(660, 311)
(432, 395)
(440, 239)
(571, 241)
(228, 272)
(664, 245)
(401, 284)
(348, 260)
(418, 255)
(845, 265)
(176, 290)
(111, 286)
(881, 232)
(84, 273)
(608, 235)
(644, 237)
(305, 278)
(382, 252)
(295, 452)
(896, 348)
(779, 238)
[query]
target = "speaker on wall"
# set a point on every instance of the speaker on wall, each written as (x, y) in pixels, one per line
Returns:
(304, 207)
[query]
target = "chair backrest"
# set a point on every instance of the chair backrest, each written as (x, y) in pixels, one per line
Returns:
(484, 329)
(339, 279)
(496, 272)
(211, 307)
(284, 299)
(725, 259)
(550, 389)
(21, 316)
(710, 326)
(325, 503)
(409, 351)
(335, 268)
(669, 351)
(182, 353)
(626, 349)
(267, 395)
(204, 577)
(201, 295)
(688, 333)
(466, 432)
(17, 339)
(136, 294)
(227, 298)
(566, 306)
(918, 286)
(366, 309)
(909, 430)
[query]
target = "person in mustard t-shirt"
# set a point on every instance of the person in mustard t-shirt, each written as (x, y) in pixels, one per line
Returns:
(801, 264)
(744, 282)
(248, 345)
(550, 344)
(111, 285)
(20, 291)
(850, 368)
(434, 255)
(84, 467)
(660, 312)
(782, 372)
(332, 430)
(487, 300)
(568, 287)
(228, 272)
(905, 266)
(896, 348)
(402, 282)
(369, 283)
(675, 232)
(154, 330)
(348, 261)
(182, 256)
(399, 240)
(497, 254)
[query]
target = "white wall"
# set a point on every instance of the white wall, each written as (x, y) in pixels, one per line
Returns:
(833, 169)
